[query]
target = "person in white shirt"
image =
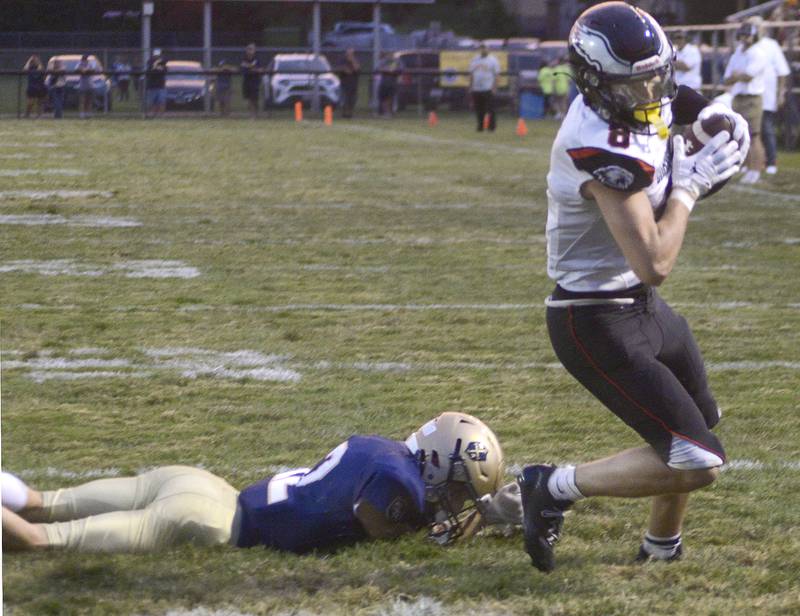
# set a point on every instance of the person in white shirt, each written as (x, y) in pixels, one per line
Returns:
(484, 70)
(687, 62)
(745, 77)
(774, 92)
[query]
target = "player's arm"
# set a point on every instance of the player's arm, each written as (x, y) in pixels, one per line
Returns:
(376, 524)
(651, 247)
(386, 509)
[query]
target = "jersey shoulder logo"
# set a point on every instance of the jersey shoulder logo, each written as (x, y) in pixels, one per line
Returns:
(614, 176)
(613, 169)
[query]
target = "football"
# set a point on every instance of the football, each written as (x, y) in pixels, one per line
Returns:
(700, 132)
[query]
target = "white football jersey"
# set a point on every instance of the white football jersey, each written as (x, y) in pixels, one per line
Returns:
(582, 255)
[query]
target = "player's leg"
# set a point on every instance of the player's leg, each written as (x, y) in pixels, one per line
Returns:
(636, 473)
(681, 354)
(101, 496)
(769, 140)
(187, 505)
(19, 534)
(611, 351)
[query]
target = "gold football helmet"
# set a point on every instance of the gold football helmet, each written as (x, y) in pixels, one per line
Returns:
(461, 461)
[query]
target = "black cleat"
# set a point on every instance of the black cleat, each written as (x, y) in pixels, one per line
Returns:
(645, 557)
(542, 515)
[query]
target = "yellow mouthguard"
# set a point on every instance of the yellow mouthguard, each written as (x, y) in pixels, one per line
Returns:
(651, 115)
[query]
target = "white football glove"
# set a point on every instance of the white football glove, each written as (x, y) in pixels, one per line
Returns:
(504, 507)
(741, 130)
(693, 176)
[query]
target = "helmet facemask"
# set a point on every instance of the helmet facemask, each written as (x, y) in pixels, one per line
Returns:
(452, 502)
(634, 102)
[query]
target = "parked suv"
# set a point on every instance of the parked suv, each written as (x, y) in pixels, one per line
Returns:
(101, 84)
(291, 77)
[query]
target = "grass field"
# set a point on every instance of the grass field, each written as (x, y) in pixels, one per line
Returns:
(244, 295)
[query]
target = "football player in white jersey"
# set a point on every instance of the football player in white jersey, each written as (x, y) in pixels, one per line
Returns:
(620, 190)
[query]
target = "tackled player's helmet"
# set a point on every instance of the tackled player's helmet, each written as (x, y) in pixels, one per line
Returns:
(461, 461)
(623, 66)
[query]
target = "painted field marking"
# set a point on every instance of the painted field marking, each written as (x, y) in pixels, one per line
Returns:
(75, 221)
(731, 305)
(43, 144)
(15, 173)
(248, 364)
(130, 269)
(51, 472)
(765, 193)
(38, 195)
(17, 156)
(190, 363)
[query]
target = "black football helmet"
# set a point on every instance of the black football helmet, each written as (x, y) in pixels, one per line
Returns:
(623, 66)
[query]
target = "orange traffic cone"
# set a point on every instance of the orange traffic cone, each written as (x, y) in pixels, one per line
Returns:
(433, 119)
(485, 121)
(298, 111)
(522, 128)
(327, 115)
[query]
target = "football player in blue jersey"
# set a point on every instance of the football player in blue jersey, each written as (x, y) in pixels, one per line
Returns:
(369, 487)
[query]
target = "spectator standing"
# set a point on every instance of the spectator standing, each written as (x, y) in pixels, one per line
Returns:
(547, 79)
(484, 70)
(688, 62)
(563, 79)
(387, 88)
(745, 76)
(348, 75)
(36, 90)
(156, 84)
(56, 82)
(223, 87)
(85, 70)
(122, 77)
(251, 78)
(774, 93)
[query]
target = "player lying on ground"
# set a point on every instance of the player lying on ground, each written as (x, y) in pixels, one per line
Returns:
(443, 476)
(619, 196)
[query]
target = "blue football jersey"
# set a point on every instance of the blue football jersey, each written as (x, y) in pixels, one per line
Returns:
(306, 509)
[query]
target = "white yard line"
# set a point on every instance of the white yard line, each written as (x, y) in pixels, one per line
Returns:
(50, 472)
(39, 195)
(194, 363)
(42, 144)
(15, 173)
(130, 269)
(771, 194)
(731, 305)
(74, 221)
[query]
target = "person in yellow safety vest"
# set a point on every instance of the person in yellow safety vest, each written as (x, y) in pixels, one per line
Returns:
(561, 76)
(547, 84)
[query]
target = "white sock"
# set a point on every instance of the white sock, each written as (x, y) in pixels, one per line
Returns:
(13, 491)
(562, 484)
(661, 548)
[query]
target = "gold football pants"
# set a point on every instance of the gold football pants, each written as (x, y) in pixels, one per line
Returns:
(158, 509)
